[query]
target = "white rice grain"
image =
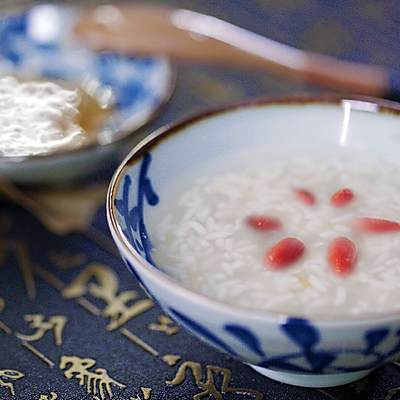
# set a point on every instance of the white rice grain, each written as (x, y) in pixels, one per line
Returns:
(201, 239)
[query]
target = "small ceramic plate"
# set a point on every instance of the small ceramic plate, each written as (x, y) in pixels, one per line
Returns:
(39, 43)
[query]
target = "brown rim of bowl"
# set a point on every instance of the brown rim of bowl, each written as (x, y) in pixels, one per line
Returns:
(384, 106)
(153, 139)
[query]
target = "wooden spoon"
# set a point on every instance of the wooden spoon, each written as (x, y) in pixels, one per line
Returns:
(153, 30)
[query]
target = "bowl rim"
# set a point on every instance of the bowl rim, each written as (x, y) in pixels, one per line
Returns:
(179, 125)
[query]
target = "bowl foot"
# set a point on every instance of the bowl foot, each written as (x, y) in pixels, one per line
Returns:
(311, 380)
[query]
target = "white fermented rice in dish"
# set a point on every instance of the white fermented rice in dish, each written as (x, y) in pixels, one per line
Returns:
(200, 237)
(37, 118)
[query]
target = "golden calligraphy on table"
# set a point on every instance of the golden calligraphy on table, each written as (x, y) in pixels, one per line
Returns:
(101, 282)
(209, 385)
(55, 323)
(146, 392)
(10, 375)
(165, 325)
(97, 382)
(53, 396)
(106, 288)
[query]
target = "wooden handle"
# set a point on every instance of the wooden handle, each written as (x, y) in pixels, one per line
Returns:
(134, 29)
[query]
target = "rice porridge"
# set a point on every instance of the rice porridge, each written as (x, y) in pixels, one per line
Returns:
(43, 117)
(312, 236)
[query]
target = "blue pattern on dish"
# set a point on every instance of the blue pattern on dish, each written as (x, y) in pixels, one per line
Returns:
(246, 337)
(308, 357)
(200, 330)
(306, 336)
(135, 228)
(139, 85)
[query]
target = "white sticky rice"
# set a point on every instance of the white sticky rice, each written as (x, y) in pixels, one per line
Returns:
(37, 118)
(200, 237)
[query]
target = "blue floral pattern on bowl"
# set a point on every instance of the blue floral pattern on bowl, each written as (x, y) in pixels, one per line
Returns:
(311, 356)
(135, 228)
(38, 43)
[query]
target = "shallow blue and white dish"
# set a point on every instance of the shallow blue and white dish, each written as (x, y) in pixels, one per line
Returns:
(310, 352)
(38, 43)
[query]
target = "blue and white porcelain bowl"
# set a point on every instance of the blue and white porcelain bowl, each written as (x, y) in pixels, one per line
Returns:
(38, 43)
(311, 352)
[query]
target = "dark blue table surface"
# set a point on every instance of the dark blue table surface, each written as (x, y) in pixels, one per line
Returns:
(113, 342)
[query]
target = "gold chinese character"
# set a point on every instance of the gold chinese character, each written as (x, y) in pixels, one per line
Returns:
(9, 374)
(164, 326)
(146, 394)
(209, 385)
(45, 397)
(106, 289)
(171, 359)
(55, 323)
(96, 381)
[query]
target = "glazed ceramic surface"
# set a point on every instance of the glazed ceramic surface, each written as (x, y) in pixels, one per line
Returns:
(286, 348)
(39, 43)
